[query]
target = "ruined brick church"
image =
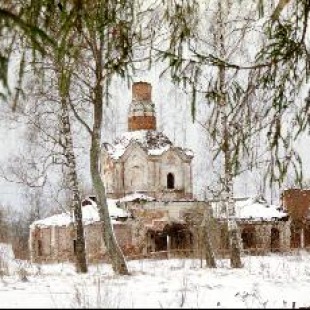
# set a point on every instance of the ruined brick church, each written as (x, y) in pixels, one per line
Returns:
(149, 187)
(145, 160)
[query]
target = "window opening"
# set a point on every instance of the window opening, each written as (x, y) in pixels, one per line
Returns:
(170, 181)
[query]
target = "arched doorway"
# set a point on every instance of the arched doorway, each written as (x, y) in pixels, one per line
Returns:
(161, 242)
(248, 238)
(181, 236)
(170, 181)
(307, 236)
(173, 236)
(275, 240)
(296, 228)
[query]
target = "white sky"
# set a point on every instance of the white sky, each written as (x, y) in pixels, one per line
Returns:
(173, 117)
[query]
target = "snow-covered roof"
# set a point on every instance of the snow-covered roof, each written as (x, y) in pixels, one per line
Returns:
(141, 106)
(136, 196)
(154, 142)
(250, 209)
(89, 213)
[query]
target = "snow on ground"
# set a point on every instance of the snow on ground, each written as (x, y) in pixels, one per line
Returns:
(272, 281)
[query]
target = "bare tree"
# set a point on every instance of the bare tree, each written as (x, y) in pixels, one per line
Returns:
(226, 148)
(206, 237)
(204, 57)
(107, 36)
(106, 32)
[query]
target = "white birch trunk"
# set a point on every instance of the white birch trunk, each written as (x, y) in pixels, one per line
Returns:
(76, 207)
(233, 231)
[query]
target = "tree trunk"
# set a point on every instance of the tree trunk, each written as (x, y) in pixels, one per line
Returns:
(115, 253)
(279, 8)
(81, 265)
(207, 244)
(233, 231)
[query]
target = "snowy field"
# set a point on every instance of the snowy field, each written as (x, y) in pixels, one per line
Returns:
(273, 281)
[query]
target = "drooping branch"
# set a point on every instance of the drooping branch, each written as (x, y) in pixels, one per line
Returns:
(279, 8)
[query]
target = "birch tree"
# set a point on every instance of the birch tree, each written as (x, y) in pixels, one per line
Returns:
(198, 56)
(106, 51)
(60, 57)
(107, 40)
(63, 59)
(72, 167)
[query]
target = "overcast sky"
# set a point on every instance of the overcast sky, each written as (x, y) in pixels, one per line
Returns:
(173, 117)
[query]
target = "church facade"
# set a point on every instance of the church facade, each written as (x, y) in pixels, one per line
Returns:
(145, 160)
(149, 186)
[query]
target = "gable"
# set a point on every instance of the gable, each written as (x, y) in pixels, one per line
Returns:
(134, 153)
(172, 157)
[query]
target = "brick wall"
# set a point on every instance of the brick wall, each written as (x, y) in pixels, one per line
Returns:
(296, 202)
(142, 91)
(256, 237)
(56, 243)
(142, 122)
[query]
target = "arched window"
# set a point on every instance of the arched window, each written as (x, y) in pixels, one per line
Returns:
(136, 174)
(170, 181)
(275, 239)
(40, 250)
(74, 246)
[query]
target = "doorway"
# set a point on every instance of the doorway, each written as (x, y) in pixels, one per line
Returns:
(275, 240)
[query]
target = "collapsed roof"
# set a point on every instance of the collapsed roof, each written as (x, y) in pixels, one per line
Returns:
(153, 142)
(90, 212)
(89, 215)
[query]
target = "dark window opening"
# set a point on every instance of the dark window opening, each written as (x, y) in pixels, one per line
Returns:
(248, 238)
(160, 243)
(307, 236)
(40, 252)
(88, 201)
(93, 198)
(275, 240)
(295, 237)
(182, 240)
(170, 181)
(74, 246)
(191, 239)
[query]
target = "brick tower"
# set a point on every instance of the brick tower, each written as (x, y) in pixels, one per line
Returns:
(142, 110)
